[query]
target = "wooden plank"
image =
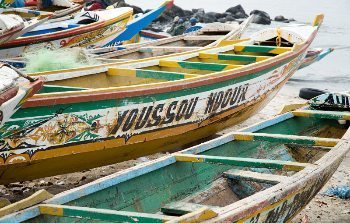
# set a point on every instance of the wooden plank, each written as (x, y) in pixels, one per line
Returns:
(197, 65)
(164, 75)
(243, 162)
(167, 49)
(244, 58)
(322, 114)
(101, 214)
(255, 176)
(262, 49)
(196, 216)
(34, 199)
(288, 139)
(181, 208)
(202, 37)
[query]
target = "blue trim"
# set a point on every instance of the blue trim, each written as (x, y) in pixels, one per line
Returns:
(136, 25)
(52, 30)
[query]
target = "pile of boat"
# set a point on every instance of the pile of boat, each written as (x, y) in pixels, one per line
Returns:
(155, 96)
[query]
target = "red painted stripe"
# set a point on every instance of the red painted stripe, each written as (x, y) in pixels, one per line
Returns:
(54, 36)
(8, 94)
(149, 90)
(12, 31)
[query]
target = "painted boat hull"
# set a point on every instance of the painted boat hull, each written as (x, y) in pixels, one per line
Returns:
(90, 159)
(94, 35)
(166, 179)
(13, 98)
(107, 125)
(131, 143)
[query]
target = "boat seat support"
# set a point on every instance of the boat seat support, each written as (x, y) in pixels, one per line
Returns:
(322, 114)
(101, 214)
(255, 176)
(243, 162)
(236, 57)
(170, 76)
(197, 65)
(287, 139)
(262, 49)
(181, 208)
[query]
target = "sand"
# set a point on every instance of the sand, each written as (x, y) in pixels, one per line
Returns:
(321, 209)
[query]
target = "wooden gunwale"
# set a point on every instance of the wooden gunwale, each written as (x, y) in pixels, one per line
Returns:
(138, 90)
(64, 33)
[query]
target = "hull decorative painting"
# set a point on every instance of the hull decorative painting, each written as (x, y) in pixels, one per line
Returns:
(83, 120)
(267, 172)
(102, 27)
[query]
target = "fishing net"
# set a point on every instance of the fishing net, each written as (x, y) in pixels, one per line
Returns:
(44, 59)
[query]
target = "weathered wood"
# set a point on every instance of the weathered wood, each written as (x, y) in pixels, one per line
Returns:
(322, 114)
(101, 214)
(289, 139)
(243, 58)
(197, 65)
(202, 37)
(196, 216)
(181, 208)
(34, 199)
(4, 202)
(290, 107)
(167, 49)
(243, 162)
(255, 176)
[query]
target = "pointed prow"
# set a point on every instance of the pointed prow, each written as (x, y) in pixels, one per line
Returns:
(318, 20)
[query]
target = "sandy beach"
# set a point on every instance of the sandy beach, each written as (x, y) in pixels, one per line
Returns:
(321, 209)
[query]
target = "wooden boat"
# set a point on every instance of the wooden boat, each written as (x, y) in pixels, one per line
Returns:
(315, 55)
(14, 91)
(85, 29)
(264, 173)
(164, 46)
(88, 117)
(9, 25)
(13, 26)
(138, 23)
(208, 37)
(124, 37)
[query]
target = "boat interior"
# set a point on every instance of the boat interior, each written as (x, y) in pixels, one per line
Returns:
(207, 177)
(159, 48)
(177, 67)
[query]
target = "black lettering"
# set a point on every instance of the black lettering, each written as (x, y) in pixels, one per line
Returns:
(129, 122)
(210, 103)
(330, 100)
(227, 98)
(155, 115)
(170, 115)
(143, 117)
(235, 95)
(244, 92)
(182, 110)
(218, 100)
(191, 108)
(119, 121)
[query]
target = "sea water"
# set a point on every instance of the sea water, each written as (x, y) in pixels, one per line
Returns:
(331, 73)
